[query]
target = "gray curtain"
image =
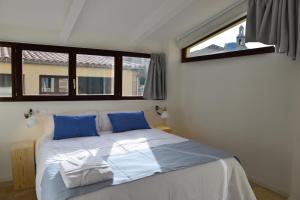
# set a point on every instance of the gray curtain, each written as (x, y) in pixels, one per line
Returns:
(155, 87)
(275, 22)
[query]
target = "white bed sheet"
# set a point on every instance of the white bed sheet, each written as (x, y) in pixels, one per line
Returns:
(219, 180)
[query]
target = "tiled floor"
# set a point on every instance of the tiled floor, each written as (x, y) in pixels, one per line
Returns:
(7, 193)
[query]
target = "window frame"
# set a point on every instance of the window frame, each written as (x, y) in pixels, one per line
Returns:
(50, 76)
(17, 71)
(13, 69)
(247, 52)
(129, 97)
(93, 77)
(117, 94)
(7, 75)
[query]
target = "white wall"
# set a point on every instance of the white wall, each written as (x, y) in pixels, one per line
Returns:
(295, 175)
(244, 106)
(295, 182)
(13, 126)
(173, 86)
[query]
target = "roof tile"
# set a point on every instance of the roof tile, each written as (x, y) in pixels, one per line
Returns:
(50, 58)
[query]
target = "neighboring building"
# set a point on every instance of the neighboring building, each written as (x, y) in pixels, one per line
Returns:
(212, 49)
(240, 44)
(46, 73)
(241, 39)
(231, 46)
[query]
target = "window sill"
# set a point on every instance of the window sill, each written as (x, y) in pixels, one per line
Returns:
(68, 98)
(247, 52)
(6, 99)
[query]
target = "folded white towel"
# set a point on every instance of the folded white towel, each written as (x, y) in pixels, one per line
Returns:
(82, 168)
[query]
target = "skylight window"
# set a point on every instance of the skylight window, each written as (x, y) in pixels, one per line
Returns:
(229, 41)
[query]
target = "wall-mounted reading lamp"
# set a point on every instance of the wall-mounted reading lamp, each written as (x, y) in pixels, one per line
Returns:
(31, 120)
(162, 111)
(32, 116)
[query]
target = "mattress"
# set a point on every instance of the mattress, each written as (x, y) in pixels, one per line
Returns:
(221, 179)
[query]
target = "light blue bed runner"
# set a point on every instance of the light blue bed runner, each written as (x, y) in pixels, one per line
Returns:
(134, 166)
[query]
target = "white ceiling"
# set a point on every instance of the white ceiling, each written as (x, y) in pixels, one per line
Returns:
(106, 24)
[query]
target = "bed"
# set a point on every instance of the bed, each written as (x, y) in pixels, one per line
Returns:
(221, 179)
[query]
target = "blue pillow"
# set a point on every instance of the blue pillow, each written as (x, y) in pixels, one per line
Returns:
(127, 121)
(74, 126)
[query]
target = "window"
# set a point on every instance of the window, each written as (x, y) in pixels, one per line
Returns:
(32, 72)
(5, 72)
(226, 42)
(45, 73)
(135, 72)
(94, 85)
(5, 85)
(95, 74)
(53, 85)
(5, 80)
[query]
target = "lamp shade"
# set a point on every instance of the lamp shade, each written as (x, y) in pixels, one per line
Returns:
(31, 122)
(164, 115)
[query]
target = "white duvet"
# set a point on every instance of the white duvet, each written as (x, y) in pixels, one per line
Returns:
(218, 180)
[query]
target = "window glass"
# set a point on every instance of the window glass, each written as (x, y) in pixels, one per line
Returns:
(95, 74)
(53, 84)
(135, 72)
(45, 73)
(5, 72)
(227, 40)
(94, 85)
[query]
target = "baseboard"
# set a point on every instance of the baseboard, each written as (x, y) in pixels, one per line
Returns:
(5, 178)
(274, 189)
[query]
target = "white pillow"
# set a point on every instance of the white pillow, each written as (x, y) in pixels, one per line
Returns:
(49, 122)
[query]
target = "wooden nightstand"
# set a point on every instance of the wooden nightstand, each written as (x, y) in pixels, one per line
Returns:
(23, 167)
(164, 128)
